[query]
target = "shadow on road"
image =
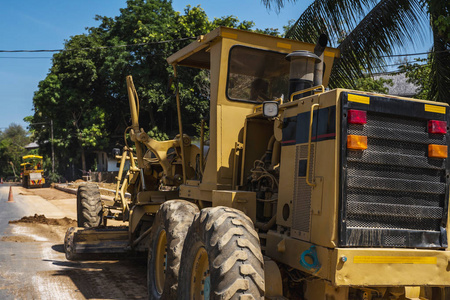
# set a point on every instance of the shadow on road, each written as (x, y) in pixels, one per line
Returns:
(110, 279)
(58, 248)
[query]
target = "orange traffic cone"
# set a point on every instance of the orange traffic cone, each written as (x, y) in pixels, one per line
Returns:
(10, 197)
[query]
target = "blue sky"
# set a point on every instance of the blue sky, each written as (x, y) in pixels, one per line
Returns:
(32, 25)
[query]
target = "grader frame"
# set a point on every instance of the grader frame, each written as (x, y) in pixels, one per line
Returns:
(281, 175)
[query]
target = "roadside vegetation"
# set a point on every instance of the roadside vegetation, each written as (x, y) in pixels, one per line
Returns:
(85, 94)
(85, 91)
(12, 147)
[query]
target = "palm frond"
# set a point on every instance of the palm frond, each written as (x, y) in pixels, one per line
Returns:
(366, 30)
(275, 4)
(332, 17)
(391, 24)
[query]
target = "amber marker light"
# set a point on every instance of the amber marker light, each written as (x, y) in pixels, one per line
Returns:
(437, 127)
(437, 151)
(356, 142)
(356, 116)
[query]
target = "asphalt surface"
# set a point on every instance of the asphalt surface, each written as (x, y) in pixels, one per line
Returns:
(33, 264)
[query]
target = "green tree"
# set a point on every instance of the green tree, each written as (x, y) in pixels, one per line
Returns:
(85, 91)
(369, 84)
(419, 74)
(367, 31)
(69, 96)
(12, 143)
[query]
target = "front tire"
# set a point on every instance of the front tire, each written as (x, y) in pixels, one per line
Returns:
(221, 257)
(69, 244)
(89, 206)
(166, 244)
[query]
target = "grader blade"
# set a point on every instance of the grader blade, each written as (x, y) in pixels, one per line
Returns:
(106, 240)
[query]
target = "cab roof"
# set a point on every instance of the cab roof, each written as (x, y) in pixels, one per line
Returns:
(196, 54)
(31, 156)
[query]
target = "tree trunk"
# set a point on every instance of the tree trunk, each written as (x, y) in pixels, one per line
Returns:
(152, 117)
(83, 161)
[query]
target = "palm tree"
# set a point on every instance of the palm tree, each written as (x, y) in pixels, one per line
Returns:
(369, 31)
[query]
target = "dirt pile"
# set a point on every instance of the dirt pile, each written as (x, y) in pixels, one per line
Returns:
(41, 219)
(103, 185)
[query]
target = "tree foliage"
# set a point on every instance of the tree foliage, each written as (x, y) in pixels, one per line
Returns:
(85, 91)
(369, 31)
(12, 143)
(418, 73)
(369, 84)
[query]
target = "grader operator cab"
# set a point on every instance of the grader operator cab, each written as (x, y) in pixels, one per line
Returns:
(303, 193)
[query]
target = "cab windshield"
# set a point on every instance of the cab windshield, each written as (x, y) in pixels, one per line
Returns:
(256, 75)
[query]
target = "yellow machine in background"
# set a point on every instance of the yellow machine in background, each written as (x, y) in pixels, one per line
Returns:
(300, 192)
(32, 172)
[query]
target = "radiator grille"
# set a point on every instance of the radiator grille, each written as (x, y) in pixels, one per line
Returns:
(301, 218)
(394, 195)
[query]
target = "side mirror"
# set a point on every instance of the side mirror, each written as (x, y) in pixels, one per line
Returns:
(270, 109)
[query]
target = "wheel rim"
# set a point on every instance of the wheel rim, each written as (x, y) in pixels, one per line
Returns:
(200, 280)
(161, 261)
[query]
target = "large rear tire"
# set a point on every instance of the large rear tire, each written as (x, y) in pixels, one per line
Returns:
(89, 206)
(166, 244)
(221, 257)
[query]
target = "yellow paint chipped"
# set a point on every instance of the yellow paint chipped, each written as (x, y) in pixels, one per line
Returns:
(435, 108)
(421, 260)
(359, 99)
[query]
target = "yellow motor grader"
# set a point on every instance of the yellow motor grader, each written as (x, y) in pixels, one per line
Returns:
(300, 192)
(32, 174)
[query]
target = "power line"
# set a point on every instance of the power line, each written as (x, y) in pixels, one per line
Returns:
(102, 47)
(405, 64)
(170, 41)
(414, 54)
(29, 57)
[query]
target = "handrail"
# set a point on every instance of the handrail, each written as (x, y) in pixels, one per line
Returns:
(180, 126)
(312, 184)
(306, 90)
(202, 145)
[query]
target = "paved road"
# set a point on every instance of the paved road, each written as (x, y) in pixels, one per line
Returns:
(33, 265)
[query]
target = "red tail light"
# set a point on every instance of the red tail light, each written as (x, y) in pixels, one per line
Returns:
(437, 127)
(357, 116)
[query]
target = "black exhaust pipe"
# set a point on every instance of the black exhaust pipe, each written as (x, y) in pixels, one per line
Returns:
(319, 51)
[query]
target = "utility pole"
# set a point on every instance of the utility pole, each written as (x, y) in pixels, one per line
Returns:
(53, 150)
(14, 170)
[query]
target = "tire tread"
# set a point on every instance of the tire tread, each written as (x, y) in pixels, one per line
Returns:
(233, 247)
(89, 206)
(174, 216)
